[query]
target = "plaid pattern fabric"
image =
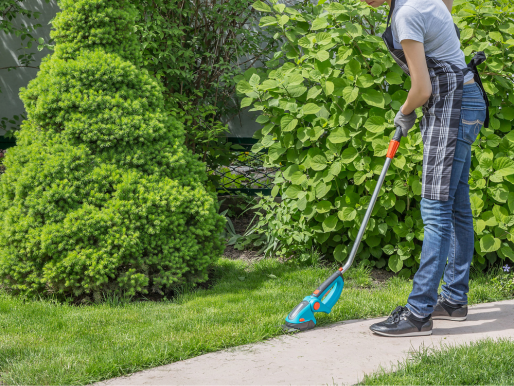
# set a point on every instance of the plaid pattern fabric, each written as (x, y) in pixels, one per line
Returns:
(440, 123)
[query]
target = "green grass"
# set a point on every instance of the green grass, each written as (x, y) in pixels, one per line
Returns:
(45, 342)
(481, 363)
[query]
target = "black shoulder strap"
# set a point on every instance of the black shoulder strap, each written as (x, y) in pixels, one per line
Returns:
(390, 12)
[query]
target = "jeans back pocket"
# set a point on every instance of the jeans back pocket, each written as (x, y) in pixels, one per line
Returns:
(472, 120)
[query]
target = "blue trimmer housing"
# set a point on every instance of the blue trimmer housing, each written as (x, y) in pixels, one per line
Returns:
(322, 300)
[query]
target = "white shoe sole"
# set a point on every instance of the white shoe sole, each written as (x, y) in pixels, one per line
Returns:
(457, 319)
(421, 333)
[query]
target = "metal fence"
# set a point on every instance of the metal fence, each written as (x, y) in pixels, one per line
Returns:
(247, 173)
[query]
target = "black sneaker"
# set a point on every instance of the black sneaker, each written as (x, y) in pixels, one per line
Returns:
(401, 322)
(444, 310)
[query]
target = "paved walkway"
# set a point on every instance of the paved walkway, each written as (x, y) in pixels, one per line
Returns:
(333, 355)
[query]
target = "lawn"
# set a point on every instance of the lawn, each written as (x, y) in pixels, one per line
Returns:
(44, 342)
(480, 363)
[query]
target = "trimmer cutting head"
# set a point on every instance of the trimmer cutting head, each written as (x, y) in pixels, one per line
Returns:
(302, 318)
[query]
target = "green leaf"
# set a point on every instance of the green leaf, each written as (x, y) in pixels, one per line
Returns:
(322, 189)
(288, 173)
(245, 102)
(275, 151)
(314, 92)
(400, 206)
(318, 162)
(508, 113)
(262, 119)
(388, 249)
(323, 38)
(323, 206)
(373, 98)
(296, 91)
(305, 42)
(394, 78)
(283, 20)
(349, 155)
(339, 135)
(260, 6)
(319, 23)
(395, 263)
(322, 55)
(476, 205)
(507, 251)
(489, 219)
(376, 70)
(254, 80)
(488, 243)
(335, 168)
(329, 88)
(267, 21)
(293, 190)
(310, 108)
(298, 178)
(343, 53)
(350, 94)
(375, 124)
(330, 223)
(365, 81)
(244, 87)
(340, 252)
(353, 68)
(400, 188)
(347, 214)
(288, 123)
(359, 177)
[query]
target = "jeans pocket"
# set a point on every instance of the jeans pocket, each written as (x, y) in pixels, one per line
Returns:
(472, 121)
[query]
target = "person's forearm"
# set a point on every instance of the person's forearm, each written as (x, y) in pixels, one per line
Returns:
(449, 4)
(415, 99)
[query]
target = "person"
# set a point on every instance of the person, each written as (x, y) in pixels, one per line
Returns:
(424, 41)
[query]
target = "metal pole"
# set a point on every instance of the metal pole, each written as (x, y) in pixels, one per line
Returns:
(397, 137)
(367, 216)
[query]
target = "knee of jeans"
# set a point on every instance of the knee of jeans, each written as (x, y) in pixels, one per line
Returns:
(436, 213)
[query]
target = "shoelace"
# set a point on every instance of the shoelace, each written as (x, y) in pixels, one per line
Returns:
(396, 314)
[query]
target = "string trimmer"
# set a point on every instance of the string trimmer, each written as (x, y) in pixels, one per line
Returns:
(327, 294)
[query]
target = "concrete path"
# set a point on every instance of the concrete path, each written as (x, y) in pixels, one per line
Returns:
(337, 354)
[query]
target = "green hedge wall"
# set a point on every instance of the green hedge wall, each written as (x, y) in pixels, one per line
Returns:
(328, 100)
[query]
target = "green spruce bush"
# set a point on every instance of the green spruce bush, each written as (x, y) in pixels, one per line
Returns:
(101, 194)
(328, 100)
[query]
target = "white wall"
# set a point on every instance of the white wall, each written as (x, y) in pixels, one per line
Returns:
(11, 81)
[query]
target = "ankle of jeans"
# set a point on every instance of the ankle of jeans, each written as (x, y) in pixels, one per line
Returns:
(415, 312)
(453, 301)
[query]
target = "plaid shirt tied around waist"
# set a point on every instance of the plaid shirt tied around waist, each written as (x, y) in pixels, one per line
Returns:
(441, 117)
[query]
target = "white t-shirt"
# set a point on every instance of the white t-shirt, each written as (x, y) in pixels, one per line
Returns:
(428, 22)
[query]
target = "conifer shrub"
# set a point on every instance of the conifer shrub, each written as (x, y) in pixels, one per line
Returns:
(101, 194)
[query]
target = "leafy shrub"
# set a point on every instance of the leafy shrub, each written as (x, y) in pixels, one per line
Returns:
(328, 102)
(195, 49)
(101, 194)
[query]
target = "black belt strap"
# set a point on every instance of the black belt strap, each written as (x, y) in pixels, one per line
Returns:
(478, 59)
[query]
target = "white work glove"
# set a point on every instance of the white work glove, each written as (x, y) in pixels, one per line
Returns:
(405, 121)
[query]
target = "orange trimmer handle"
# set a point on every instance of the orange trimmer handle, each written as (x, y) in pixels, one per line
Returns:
(395, 143)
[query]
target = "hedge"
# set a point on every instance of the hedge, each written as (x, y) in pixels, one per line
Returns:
(328, 100)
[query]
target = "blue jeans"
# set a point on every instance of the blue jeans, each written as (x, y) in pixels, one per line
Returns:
(448, 243)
